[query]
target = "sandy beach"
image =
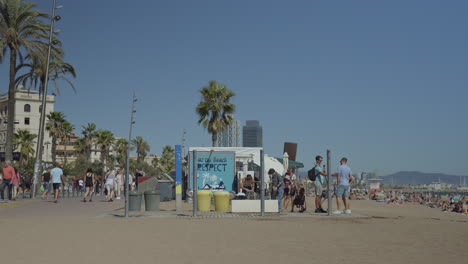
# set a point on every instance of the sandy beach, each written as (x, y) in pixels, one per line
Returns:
(76, 232)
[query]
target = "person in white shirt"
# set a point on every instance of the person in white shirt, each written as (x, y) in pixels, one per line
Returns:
(118, 183)
(110, 185)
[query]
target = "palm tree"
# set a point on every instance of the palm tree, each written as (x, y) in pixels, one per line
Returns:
(142, 148)
(24, 142)
(53, 125)
(89, 134)
(167, 160)
(121, 147)
(20, 28)
(66, 131)
(104, 140)
(215, 110)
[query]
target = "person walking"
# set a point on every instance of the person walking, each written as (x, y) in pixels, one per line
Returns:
(344, 180)
(319, 180)
(15, 184)
(57, 179)
(110, 185)
(118, 183)
(89, 184)
(46, 183)
(8, 173)
(278, 187)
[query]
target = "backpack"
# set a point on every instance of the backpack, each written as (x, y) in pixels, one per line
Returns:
(311, 174)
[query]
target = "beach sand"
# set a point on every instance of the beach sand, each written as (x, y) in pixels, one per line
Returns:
(42, 232)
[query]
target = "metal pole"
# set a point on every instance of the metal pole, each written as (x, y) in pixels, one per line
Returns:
(328, 184)
(40, 140)
(262, 183)
(178, 180)
(194, 183)
(127, 161)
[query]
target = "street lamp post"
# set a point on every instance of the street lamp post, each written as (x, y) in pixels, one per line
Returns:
(127, 161)
(39, 148)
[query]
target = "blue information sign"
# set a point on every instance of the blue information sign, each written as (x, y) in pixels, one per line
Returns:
(215, 170)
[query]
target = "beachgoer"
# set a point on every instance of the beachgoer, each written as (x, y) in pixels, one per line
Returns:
(8, 173)
(300, 199)
(344, 179)
(46, 183)
(248, 186)
(15, 184)
(57, 179)
(287, 190)
(118, 183)
(278, 186)
(110, 185)
(319, 180)
(89, 184)
(292, 188)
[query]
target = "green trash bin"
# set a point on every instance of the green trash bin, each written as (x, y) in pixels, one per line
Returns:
(152, 199)
(204, 200)
(134, 201)
(221, 201)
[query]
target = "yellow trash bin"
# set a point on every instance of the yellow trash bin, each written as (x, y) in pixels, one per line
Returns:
(204, 200)
(221, 201)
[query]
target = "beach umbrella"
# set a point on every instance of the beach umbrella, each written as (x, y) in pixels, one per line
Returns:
(285, 162)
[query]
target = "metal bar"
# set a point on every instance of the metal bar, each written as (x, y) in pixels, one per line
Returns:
(328, 184)
(262, 183)
(178, 179)
(194, 183)
(127, 160)
(39, 149)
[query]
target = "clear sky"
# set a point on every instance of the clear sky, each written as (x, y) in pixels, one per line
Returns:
(383, 83)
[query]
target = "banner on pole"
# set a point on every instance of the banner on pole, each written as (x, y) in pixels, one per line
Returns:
(215, 170)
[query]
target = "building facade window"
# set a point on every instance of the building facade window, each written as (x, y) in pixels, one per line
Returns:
(27, 108)
(26, 120)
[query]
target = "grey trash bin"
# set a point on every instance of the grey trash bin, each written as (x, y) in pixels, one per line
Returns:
(152, 200)
(165, 189)
(134, 203)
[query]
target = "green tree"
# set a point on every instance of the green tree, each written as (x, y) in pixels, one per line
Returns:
(66, 132)
(121, 147)
(215, 110)
(167, 160)
(54, 126)
(24, 142)
(104, 140)
(20, 28)
(142, 148)
(89, 135)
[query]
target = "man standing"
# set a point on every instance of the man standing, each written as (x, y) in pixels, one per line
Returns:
(278, 186)
(118, 183)
(319, 180)
(344, 179)
(57, 179)
(46, 183)
(8, 173)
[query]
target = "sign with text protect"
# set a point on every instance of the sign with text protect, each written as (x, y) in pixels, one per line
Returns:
(215, 170)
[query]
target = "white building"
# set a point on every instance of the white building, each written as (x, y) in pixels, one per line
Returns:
(231, 136)
(27, 116)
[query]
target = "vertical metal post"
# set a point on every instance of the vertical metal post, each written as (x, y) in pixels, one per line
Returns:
(328, 184)
(127, 160)
(39, 148)
(194, 183)
(262, 183)
(178, 179)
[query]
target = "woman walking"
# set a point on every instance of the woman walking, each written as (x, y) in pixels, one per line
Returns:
(15, 184)
(89, 184)
(110, 185)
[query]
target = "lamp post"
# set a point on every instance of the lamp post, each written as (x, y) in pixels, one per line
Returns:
(127, 161)
(40, 140)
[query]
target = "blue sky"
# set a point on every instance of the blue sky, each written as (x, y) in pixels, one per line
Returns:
(383, 83)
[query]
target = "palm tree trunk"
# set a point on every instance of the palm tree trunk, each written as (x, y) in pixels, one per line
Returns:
(11, 107)
(54, 149)
(214, 138)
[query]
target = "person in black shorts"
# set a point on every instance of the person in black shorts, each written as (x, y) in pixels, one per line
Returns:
(89, 184)
(46, 183)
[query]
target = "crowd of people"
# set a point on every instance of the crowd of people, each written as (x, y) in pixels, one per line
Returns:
(16, 183)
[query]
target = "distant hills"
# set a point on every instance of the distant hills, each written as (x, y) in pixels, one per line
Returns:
(416, 177)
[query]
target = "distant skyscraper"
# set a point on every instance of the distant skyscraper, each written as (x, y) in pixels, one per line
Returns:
(231, 136)
(252, 134)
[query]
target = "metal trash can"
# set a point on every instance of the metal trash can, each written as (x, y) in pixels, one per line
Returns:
(204, 200)
(221, 201)
(165, 189)
(152, 199)
(134, 201)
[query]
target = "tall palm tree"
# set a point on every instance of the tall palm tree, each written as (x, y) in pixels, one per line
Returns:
(53, 126)
(24, 142)
(66, 131)
(142, 148)
(121, 147)
(20, 28)
(167, 160)
(89, 135)
(215, 110)
(104, 140)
